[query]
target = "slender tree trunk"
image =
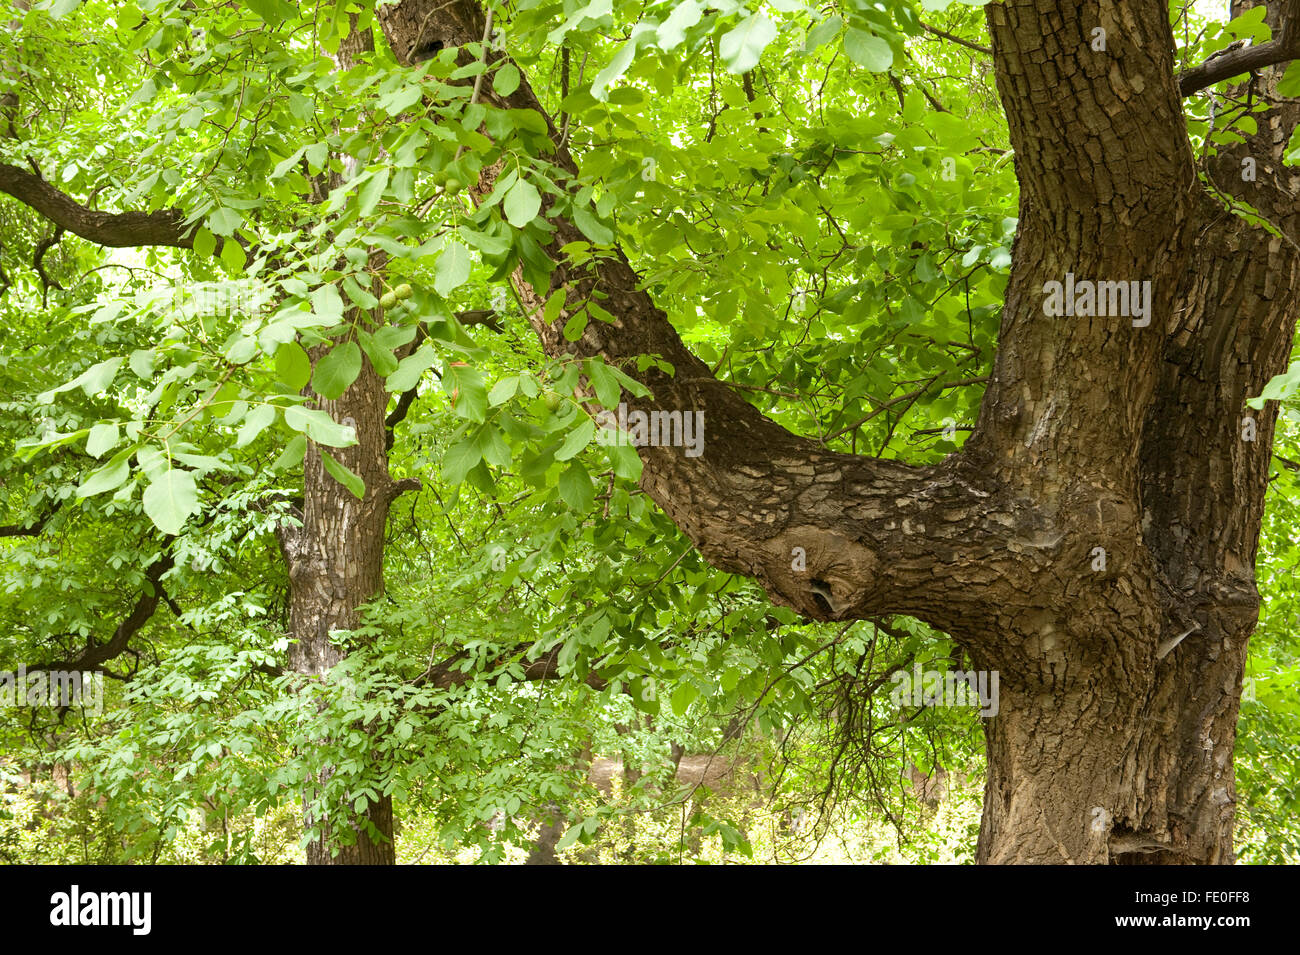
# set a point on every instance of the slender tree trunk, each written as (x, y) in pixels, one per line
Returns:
(336, 559)
(336, 565)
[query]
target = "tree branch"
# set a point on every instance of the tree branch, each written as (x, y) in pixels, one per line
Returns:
(956, 39)
(480, 316)
(112, 230)
(1229, 63)
(95, 656)
(475, 316)
(753, 497)
(451, 673)
(22, 530)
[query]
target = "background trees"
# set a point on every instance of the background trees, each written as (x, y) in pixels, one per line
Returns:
(817, 210)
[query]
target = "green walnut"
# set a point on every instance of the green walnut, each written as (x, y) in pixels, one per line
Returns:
(403, 292)
(388, 300)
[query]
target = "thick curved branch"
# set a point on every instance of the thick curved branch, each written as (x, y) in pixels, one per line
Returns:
(112, 230)
(832, 535)
(1282, 48)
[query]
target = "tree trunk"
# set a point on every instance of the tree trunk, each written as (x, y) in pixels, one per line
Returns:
(336, 565)
(1127, 766)
(336, 559)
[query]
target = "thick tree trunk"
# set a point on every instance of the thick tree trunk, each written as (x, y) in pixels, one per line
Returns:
(1121, 681)
(1120, 765)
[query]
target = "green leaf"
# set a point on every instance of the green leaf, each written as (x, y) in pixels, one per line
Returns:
(316, 155)
(411, 369)
(292, 366)
(92, 381)
(503, 391)
(575, 487)
(464, 385)
(337, 370)
(1292, 156)
(58, 9)
(672, 32)
(292, 454)
(575, 326)
(285, 164)
(605, 382)
(823, 32)
(576, 440)
(592, 227)
(494, 447)
(868, 50)
(381, 359)
(401, 99)
(741, 48)
(371, 192)
(627, 464)
(459, 460)
(569, 838)
(344, 475)
(682, 698)
(522, 203)
(142, 362)
(554, 305)
(98, 377)
(108, 478)
(101, 438)
(256, 421)
(170, 499)
(205, 243)
(327, 303)
(452, 270)
(224, 221)
(1289, 85)
(232, 254)
(273, 12)
(506, 80)
(319, 426)
(617, 67)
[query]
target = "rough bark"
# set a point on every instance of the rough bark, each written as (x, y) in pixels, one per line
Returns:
(336, 557)
(1121, 689)
(335, 562)
(112, 230)
(1120, 684)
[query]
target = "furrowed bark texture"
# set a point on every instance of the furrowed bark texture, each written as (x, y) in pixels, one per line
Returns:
(336, 564)
(336, 558)
(1094, 541)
